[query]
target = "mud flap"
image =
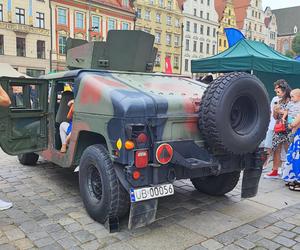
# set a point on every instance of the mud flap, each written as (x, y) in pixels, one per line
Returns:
(250, 182)
(142, 213)
(252, 174)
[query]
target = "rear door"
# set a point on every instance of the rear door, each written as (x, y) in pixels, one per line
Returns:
(23, 126)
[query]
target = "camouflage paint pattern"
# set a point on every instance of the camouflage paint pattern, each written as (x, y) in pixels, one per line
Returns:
(106, 101)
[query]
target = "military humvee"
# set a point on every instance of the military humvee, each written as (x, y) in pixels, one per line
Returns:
(134, 132)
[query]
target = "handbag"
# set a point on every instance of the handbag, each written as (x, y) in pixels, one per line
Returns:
(279, 127)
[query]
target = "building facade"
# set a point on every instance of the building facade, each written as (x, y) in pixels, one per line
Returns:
(271, 28)
(227, 19)
(199, 31)
(90, 20)
(163, 19)
(250, 19)
(25, 35)
(288, 23)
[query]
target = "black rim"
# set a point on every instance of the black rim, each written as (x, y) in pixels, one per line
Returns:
(243, 115)
(94, 183)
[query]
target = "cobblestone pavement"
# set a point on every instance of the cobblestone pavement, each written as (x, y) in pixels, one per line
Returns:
(48, 214)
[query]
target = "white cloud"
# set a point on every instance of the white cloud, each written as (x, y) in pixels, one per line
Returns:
(275, 4)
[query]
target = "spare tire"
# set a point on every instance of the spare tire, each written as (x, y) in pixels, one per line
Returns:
(234, 113)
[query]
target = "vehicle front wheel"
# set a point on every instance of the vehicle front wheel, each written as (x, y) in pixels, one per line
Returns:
(103, 195)
(29, 159)
(217, 185)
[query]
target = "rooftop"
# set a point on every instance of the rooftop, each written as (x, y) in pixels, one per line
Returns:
(287, 19)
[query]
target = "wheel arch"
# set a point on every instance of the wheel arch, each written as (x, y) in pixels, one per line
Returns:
(86, 139)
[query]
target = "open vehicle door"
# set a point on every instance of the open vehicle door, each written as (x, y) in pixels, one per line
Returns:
(23, 126)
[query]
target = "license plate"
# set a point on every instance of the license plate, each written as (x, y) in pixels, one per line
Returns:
(148, 193)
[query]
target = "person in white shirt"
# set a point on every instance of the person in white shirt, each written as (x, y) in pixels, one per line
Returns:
(4, 102)
(269, 135)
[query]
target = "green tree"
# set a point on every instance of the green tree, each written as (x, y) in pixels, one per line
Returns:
(296, 44)
(290, 53)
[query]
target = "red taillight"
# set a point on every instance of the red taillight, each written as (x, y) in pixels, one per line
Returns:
(136, 175)
(142, 138)
(141, 158)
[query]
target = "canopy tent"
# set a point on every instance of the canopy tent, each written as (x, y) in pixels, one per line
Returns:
(252, 56)
(9, 71)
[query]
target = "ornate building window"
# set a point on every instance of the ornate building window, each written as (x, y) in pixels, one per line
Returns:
(20, 15)
(125, 3)
(125, 26)
(187, 44)
(195, 27)
(195, 46)
(138, 13)
(176, 41)
(186, 64)
(169, 6)
(168, 39)
(1, 45)
(1, 12)
(111, 24)
(96, 23)
(62, 16)
(40, 49)
(147, 15)
(21, 46)
(40, 20)
(157, 59)
(158, 17)
(62, 40)
(176, 62)
(169, 20)
(157, 37)
(201, 47)
(201, 29)
(79, 20)
(188, 25)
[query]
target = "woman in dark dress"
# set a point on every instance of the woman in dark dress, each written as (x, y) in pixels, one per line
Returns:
(280, 140)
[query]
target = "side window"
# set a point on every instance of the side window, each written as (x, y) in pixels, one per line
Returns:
(25, 96)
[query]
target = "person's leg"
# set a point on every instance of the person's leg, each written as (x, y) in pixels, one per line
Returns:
(68, 139)
(276, 163)
(268, 146)
(277, 158)
(63, 136)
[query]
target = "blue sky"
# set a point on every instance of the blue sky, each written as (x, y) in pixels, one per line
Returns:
(278, 4)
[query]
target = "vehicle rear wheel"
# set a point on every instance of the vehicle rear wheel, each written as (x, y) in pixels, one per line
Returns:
(29, 159)
(103, 195)
(217, 185)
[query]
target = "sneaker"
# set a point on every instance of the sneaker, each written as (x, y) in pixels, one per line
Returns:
(272, 175)
(5, 205)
